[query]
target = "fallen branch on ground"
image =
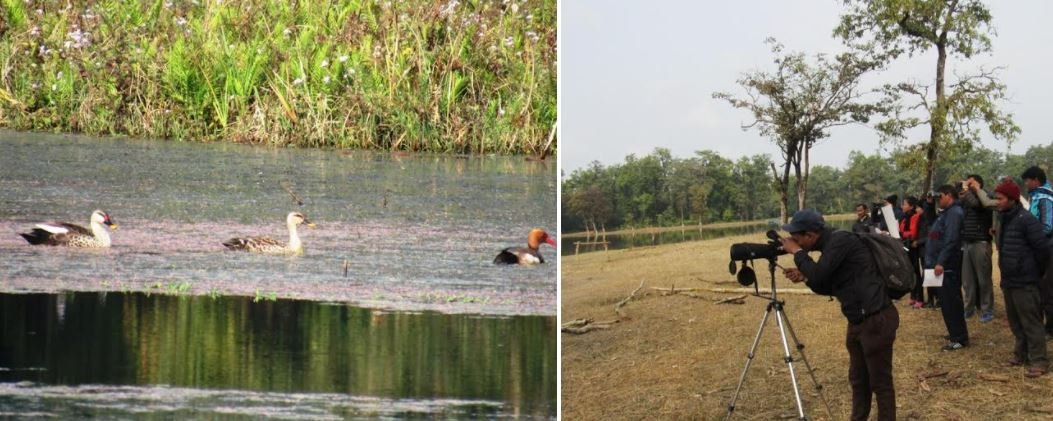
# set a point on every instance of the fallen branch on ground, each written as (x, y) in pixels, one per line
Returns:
(675, 290)
(1040, 410)
(738, 299)
(622, 303)
(580, 326)
(588, 328)
(762, 291)
(994, 378)
(576, 323)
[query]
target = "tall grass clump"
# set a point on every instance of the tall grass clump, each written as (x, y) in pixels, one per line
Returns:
(472, 76)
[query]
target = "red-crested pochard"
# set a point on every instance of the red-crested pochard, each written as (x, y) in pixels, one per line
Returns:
(528, 255)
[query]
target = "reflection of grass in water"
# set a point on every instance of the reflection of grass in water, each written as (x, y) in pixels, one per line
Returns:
(269, 296)
(171, 288)
(439, 297)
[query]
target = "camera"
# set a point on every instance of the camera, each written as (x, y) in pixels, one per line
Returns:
(749, 251)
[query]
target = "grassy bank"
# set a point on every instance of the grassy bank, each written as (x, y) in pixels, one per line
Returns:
(718, 225)
(680, 357)
(471, 76)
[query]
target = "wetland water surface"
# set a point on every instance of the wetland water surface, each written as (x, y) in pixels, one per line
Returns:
(414, 232)
(116, 355)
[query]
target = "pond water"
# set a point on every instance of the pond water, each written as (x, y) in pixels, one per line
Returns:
(395, 232)
(120, 356)
(625, 241)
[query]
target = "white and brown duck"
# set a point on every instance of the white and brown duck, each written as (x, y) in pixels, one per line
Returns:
(72, 235)
(528, 255)
(269, 245)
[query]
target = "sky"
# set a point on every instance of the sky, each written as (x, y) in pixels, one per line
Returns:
(636, 75)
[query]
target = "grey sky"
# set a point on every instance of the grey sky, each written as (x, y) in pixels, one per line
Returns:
(635, 75)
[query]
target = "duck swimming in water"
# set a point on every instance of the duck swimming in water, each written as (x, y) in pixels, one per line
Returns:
(528, 255)
(269, 245)
(71, 235)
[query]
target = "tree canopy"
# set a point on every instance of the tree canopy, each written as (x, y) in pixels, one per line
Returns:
(888, 29)
(798, 103)
(707, 187)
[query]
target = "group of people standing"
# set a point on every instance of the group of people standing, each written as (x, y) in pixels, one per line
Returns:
(951, 231)
(954, 230)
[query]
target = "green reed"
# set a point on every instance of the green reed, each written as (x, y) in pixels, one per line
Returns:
(473, 76)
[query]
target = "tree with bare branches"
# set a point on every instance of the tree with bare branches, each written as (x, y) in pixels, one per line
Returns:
(951, 27)
(799, 103)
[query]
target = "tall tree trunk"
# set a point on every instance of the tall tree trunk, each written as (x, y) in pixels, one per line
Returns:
(783, 185)
(938, 120)
(802, 176)
(807, 173)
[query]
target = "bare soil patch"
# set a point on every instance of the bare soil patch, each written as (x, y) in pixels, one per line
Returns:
(680, 357)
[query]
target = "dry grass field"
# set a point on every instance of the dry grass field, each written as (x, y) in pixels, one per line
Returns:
(680, 357)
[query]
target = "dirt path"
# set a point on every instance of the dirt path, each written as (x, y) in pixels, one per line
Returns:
(678, 357)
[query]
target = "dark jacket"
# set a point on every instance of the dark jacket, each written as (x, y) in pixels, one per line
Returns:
(978, 219)
(1021, 243)
(945, 241)
(922, 235)
(927, 220)
(863, 225)
(846, 270)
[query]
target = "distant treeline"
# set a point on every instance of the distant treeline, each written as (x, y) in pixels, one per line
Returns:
(659, 189)
(471, 76)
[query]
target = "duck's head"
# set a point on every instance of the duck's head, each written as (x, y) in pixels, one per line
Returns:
(100, 217)
(297, 218)
(538, 236)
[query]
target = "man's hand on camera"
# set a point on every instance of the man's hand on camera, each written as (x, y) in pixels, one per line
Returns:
(938, 270)
(790, 246)
(793, 274)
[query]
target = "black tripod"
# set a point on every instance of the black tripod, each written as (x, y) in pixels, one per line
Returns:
(784, 324)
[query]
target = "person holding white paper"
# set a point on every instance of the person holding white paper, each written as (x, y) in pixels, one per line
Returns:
(943, 253)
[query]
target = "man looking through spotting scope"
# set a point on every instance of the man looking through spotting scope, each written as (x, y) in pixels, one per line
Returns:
(846, 269)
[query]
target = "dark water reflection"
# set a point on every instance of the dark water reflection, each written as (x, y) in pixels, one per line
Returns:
(113, 354)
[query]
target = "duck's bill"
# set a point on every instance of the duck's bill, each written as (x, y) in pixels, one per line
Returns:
(550, 241)
(112, 225)
(310, 224)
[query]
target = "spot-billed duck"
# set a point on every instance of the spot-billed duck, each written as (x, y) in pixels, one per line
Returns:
(71, 235)
(269, 245)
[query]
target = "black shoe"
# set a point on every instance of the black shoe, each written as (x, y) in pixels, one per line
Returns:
(954, 346)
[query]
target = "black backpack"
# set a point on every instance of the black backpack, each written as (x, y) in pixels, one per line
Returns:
(893, 263)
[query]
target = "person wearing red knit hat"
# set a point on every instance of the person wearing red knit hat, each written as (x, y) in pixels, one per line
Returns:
(1021, 247)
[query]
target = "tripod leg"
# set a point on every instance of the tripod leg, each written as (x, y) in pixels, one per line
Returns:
(811, 372)
(789, 360)
(749, 360)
